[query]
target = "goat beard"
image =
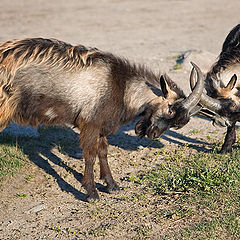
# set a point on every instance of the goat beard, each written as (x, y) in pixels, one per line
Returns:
(143, 127)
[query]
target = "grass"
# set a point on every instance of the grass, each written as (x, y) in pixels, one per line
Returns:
(11, 156)
(179, 60)
(208, 187)
(205, 178)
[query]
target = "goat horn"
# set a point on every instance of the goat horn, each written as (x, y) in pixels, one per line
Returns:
(206, 101)
(192, 100)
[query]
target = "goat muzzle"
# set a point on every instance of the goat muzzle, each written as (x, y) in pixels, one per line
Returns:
(154, 132)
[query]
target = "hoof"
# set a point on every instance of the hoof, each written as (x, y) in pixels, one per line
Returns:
(93, 197)
(113, 188)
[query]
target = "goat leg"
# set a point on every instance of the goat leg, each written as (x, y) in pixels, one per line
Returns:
(88, 178)
(230, 139)
(105, 172)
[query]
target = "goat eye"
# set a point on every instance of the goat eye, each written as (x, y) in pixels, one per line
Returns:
(171, 113)
(233, 107)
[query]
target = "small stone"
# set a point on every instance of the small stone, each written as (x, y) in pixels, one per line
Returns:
(37, 208)
(140, 147)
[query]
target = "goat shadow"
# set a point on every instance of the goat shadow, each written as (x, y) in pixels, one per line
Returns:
(126, 141)
(38, 149)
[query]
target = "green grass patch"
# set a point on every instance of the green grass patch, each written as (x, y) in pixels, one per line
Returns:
(11, 156)
(194, 131)
(208, 190)
(21, 195)
(201, 172)
(167, 178)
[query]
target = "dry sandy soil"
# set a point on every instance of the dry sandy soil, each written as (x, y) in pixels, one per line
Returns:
(149, 32)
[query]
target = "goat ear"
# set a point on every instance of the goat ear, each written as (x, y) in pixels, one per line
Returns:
(232, 82)
(164, 86)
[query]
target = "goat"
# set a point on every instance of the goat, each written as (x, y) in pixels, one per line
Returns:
(223, 91)
(50, 82)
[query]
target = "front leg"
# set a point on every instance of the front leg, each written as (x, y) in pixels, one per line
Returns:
(88, 178)
(230, 139)
(89, 144)
(105, 172)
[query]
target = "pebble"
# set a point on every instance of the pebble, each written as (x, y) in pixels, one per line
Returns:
(37, 208)
(140, 147)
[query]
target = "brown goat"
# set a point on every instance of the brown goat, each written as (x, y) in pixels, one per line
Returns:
(46, 81)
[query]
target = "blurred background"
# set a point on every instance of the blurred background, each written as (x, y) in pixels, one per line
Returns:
(135, 28)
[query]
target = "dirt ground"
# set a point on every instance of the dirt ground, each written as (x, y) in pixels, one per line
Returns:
(149, 32)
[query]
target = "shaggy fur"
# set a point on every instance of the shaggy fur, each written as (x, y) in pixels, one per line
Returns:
(54, 83)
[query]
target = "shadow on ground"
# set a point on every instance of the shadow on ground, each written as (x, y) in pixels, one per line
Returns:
(38, 149)
(126, 141)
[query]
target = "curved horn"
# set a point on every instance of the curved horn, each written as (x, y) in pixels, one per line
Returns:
(210, 103)
(206, 101)
(192, 100)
